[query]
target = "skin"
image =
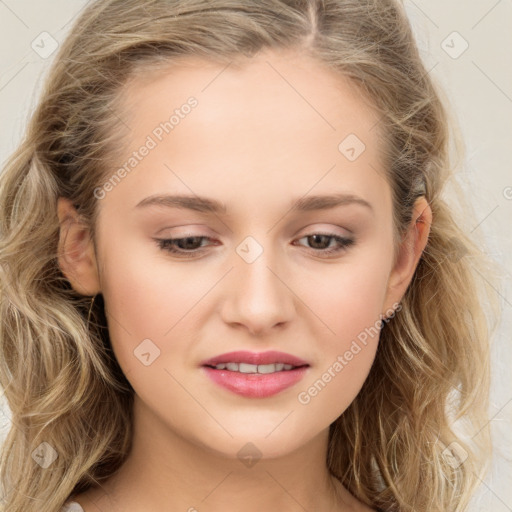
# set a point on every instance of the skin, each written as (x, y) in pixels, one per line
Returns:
(262, 135)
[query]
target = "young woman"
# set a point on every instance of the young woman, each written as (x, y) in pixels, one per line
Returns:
(230, 279)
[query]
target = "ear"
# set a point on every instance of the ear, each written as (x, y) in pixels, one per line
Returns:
(410, 251)
(76, 255)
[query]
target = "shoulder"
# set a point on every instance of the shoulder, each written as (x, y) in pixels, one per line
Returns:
(71, 506)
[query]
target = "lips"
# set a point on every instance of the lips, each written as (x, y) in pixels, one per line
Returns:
(255, 358)
(254, 368)
(255, 374)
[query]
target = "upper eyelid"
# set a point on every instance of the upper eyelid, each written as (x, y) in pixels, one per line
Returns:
(309, 231)
(304, 235)
(350, 238)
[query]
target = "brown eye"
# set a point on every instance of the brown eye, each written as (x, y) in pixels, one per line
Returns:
(189, 245)
(321, 242)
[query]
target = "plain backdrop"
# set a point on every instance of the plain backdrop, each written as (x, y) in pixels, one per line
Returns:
(465, 45)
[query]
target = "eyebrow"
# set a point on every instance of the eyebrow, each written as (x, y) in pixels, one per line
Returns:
(208, 205)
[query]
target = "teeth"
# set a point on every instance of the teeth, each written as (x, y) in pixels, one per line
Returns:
(253, 368)
(247, 368)
(265, 368)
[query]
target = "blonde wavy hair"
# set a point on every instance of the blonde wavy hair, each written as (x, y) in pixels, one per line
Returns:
(399, 446)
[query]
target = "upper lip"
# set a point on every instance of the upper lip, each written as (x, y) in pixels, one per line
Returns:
(257, 358)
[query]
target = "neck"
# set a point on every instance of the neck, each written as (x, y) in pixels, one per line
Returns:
(185, 476)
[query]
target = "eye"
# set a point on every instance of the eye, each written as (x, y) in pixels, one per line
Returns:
(318, 241)
(192, 245)
(182, 246)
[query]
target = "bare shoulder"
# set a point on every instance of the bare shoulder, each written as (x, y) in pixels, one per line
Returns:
(87, 501)
(72, 506)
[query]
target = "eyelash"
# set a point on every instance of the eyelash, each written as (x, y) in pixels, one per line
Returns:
(168, 244)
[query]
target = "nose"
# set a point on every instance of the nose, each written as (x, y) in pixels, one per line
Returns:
(259, 297)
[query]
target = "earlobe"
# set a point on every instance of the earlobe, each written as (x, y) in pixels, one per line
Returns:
(410, 252)
(76, 255)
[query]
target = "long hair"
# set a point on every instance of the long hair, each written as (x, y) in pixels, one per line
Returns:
(399, 445)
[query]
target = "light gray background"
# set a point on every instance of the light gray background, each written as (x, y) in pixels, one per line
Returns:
(478, 82)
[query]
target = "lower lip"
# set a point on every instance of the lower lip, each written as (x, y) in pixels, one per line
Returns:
(256, 385)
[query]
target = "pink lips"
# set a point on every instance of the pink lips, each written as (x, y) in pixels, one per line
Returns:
(255, 385)
(243, 356)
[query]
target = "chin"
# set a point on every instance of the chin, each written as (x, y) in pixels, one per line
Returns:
(256, 443)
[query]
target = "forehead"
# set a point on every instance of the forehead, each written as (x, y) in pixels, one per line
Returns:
(273, 119)
(285, 92)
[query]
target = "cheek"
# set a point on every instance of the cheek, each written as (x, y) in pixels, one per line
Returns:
(146, 299)
(148, 296)
(350, 297)
(350, 305)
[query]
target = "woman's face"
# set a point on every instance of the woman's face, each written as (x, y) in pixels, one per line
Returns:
(263, 167)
